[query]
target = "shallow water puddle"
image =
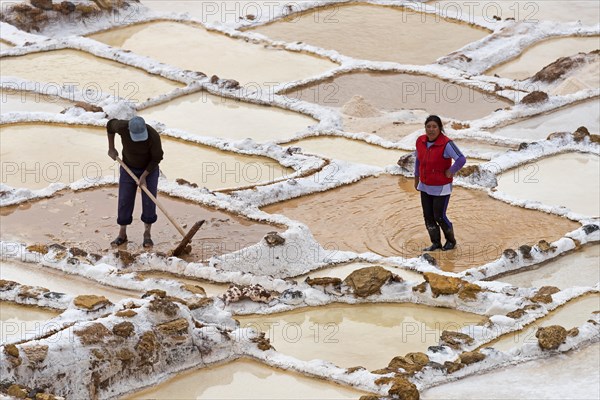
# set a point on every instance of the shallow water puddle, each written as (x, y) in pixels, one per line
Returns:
(579, 268)
(243, 379)
(208, 115)
(20, 101)
(585, 11)
(194, 48)
(541, 54)
(82, 71)
(18, 322)
(571, 375)
(355, 151)
(571, 315)
(211, 288)
(397, 91)
(58, 281)
(566, 119)
(383, 215)
(550, 181)
(375, 33)
(369, 335)
(343, 270)
(87, 219)
(26, 161)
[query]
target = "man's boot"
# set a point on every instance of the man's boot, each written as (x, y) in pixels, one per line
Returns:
(450, 240)
(147, 236)
(435, 236)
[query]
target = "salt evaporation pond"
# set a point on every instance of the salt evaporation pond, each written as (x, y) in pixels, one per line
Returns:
(570, 315)
(550, 181)
(243, 379)
(355, 151)
(586, 11)
(83, 71)
(383, 215)
(480, 148)
(375, 33)
(566, 119)
(190, 46)
(343, 270)
(87, 219)
(204, 114)
(536, 57)
(579, 268)
(369, 335)
(18, 322)
(397, 91)
(21, 101)
(572, 375)
(27, 163)
(60, 282)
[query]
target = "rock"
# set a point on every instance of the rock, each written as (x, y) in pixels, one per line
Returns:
(580, 133)
(544, 294)
(148, 348)
(535, 97)
(325, 281)
(411, 363)
(588, 229)
(86, 106)
(77, 252)
(125, 355)
(123, 329)
(11, 350)
(45, 396)
(545, 246)
(163, 306)
(510, 255)
(292, 297)
(525, 251)
(442, 285)
(429, 258)
(559, 68)
(155, 292)
(404, 390)
(558, 136)
(460, 125)
(7, 285)
(368, 281)
(175, 327)
(196, 289)
(126, 313)
(262, 342)
(421, 287)
(17, 391)
(91, 302)
(94, 333)
(230, 84)
(455, 340)
(516, 314)
(183, 182)
(214, 79)
(468, 170)
(573, 332)
(126, 257)
(31, 292)
(523, 146)
(469, 291)
(452, 367)
(257, 293)
(274, 239)
(551, 337)
(369, 397)
(194, 304)
(65, 7)
(38, 248)
(42, 4)
(407, 162)
(471, 357)
(36, 353)
(595, 139)
(352, 370)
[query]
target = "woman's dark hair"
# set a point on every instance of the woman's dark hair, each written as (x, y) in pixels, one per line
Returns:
(437, 120)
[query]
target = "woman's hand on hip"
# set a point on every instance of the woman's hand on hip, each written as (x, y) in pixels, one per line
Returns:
(448, 173)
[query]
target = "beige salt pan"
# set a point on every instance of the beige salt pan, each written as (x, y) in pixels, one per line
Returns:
(369, 335)
(243, 379)
(570, 315)
(383, 215)
(87, 219)
(541, 54)
(398, 91)
(20, 101)
(207, 115)
(82, 71)
(375, 33)
(26, 161)
(566, 119)
(579, 268)
(550, 181)
(19, 322)
(194, 48)
(355, 151)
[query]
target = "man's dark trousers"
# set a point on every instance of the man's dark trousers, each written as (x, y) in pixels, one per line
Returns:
(127, 191)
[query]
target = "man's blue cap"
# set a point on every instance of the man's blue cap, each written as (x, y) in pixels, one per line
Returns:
(137, 129)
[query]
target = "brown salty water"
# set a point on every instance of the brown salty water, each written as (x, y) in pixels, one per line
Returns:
(194, 48)
(87, 219)
(398, 91)
(369, 335)
(83, 71)
(383, 215)
(375, 33)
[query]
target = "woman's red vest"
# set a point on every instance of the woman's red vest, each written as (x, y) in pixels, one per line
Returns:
(432, 164)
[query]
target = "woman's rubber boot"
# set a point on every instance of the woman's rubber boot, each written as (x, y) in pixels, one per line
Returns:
(450, 240)
(436, 238)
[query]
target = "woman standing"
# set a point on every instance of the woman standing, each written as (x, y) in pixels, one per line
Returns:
(433, 178)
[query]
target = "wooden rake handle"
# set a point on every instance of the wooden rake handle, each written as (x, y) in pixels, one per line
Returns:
(154, 199)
